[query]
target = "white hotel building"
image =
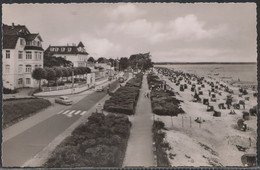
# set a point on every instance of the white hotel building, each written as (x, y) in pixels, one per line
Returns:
(22, 52)
(74, 53)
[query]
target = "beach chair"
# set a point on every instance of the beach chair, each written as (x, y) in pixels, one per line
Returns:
(205, 101)
(248, 159)
(217, 113)
(245, 115)
(210, 108)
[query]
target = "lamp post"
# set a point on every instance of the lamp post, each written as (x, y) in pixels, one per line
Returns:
(72, 80)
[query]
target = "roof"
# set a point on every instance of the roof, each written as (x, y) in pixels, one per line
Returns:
(31, 37)
(11, 33)
(80, 44)
(9, 41)
(15, 30)
(64, 50)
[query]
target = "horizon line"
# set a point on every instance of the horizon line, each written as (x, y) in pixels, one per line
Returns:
(205, 62)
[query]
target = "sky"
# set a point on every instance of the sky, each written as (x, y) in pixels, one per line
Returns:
(171, 32)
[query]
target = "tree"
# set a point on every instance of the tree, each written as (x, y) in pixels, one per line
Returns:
(101, 60)
(39, 74)
(58, 72)
(50, 74)
(140, 61)
(91, 59)
(112, 62)
(65, 72)
(123, 62)
(51, 61)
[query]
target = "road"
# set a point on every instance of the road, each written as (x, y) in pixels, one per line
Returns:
(21, 147)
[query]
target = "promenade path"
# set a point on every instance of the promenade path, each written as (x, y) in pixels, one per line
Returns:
(139, 150)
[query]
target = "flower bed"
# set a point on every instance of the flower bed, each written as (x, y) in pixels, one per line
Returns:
(125, 98)
(100, 142)
(163, 101)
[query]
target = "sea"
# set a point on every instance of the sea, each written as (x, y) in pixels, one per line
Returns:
(225, 72)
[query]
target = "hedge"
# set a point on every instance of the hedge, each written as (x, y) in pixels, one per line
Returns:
(163, 102)
(100, 142)
(160, 145)
(125, 98)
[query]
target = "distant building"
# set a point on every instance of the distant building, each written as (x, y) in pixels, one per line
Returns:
(22, 52)
(76, 54)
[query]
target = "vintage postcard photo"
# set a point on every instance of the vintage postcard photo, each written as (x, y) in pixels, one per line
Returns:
(129, 84)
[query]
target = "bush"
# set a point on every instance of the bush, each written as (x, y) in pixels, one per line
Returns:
(161, 146)
(125, 98)
(9, 91)
(100, 142)
(163, 102)
(15, 110)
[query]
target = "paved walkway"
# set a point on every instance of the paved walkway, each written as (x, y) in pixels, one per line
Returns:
(140, 144)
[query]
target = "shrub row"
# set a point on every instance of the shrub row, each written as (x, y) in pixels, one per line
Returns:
(160, 145)
(9, 91)
(100, 142)
(125, 98)
(18, 109)
(163, 101)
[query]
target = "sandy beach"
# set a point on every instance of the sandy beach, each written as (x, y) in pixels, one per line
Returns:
(214, 141)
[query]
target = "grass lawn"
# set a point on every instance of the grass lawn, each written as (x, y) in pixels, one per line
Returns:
(18, 109)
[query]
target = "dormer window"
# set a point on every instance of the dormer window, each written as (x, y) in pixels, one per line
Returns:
(62, 49)
(51, 49)
(69, 49)
(56, 49)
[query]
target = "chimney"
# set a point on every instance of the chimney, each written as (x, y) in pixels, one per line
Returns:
(12, 25)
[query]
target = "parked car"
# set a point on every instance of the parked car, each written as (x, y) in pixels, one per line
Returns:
(64, 100)
(99, 88)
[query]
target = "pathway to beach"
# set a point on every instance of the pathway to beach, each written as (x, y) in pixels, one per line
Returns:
(139, 151)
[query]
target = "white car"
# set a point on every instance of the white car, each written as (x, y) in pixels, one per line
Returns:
(99, 88)
(64, 100)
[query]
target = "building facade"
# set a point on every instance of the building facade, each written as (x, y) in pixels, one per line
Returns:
(22, 52)
(76, 54)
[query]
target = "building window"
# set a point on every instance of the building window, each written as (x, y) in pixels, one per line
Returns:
(62, 49)
(21, 42)
(20, 69)
(69, 49)
(28, 81)
(40, 55)
(20, 81)
(20, 55)
(28, 69)
(7, 68)
(56, 49)
(7, 54)
(51, 49)
(36, 55)
(28, 55)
